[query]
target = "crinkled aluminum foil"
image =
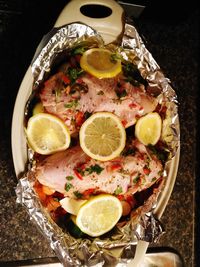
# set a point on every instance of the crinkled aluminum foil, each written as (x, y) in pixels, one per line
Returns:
(118, 248)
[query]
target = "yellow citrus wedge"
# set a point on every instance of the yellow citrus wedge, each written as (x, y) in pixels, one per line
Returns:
(71, 205)
(148, 128)
(38, 108)
(99, 62)
(47, 134)
(99, 215)
(102, 136)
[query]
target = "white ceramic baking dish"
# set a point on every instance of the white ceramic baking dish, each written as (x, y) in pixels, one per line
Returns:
(110, 28)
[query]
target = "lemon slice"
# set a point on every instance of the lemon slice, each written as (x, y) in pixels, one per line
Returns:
(71, 205)
(102, 136)
(98, 62)
(99, 215)
(38, 108)
(47, 134)
(148, 128)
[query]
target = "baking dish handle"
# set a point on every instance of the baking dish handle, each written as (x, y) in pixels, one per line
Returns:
(105, 16)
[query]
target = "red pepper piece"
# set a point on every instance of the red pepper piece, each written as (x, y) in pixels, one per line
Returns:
(132, 105)
(120, 197)
(146, 170)
(79, 118)
(124, 122)
(65, 79)
(116, 166)
(78, 174)
(89, 192)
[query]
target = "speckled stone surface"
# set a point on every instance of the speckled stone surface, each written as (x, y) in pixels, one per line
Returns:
(175, 48)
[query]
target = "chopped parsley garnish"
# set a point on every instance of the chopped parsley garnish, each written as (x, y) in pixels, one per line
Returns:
(121, 93)
(118, 190)
(78, 194)
(69, 178)
(79, 50)
(68, 186)
(72, 104)
(74, 73)
(94, 168)
(133, 74)
(115, 57)
(161, 154)
(136, 179)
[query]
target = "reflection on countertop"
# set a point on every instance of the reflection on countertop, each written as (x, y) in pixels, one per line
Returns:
(174, 46)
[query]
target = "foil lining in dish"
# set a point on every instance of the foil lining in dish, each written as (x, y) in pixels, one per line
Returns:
(118, 247)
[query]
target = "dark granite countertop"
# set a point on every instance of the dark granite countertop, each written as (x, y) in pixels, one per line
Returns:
(174, 44)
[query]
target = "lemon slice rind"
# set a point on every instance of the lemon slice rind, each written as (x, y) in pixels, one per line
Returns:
(71, 205)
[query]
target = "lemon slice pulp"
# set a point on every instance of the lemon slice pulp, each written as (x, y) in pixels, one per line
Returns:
(102, 136)
(47, 134)
(99, 215)
(148, 128)
(98, 62)
(38, 108)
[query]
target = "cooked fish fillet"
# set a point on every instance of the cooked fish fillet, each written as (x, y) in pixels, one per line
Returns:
(73, 103)
(73, 173)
